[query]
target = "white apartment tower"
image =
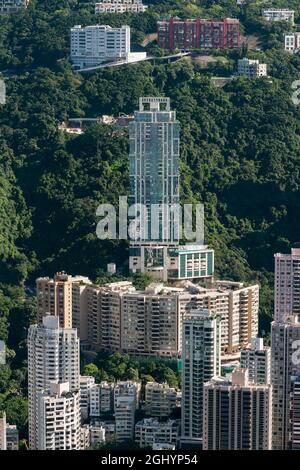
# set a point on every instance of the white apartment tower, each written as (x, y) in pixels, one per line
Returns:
(53, 356)
(287, 284)
(237, 414)
(251, 68)
(257, 359)
(94, 45)
(285, 341)
(200, 363)
(58, 418)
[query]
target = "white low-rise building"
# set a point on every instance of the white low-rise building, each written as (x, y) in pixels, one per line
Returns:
(97, 434)
(251, 68)
(162, 446)
(292, 42)
(120, 6)
(12, 6)
(150, 431)
(279, 15)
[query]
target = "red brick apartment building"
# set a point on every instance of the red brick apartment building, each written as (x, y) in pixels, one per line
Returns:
(174, 33)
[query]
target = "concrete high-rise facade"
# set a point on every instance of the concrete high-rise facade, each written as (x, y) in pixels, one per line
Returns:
(53, 356)
(200, 363)
(237, 414)
(93, 45)
(86, 383)
(126, 402)
(294, 439)
(149, 322)
(64, 296)
(101, 399)
(58, 418)
(285, 364)
(287, 284)
(257, 359)
(154, 187)
(117, 317)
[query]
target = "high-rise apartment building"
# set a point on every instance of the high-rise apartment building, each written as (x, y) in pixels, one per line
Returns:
(86, 384)
(200, 363)
(257, 359)
(287, 284)
(117, 317)
(53, 356)
(154, 187)
(104, 315)
(64, 296)
(285, 364)
(294, 439)
(292, 42)
(160, 399)
(12, 6)
(279, 15)
(149, 323)
(237, 414)
(125, 407)
(101, 399)
(96, 44)
(126, 401)
(58, 418)
(175, 33)
(120, 6)
(251, 68)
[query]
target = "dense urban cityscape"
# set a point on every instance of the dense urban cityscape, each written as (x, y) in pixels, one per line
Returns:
(170, 323)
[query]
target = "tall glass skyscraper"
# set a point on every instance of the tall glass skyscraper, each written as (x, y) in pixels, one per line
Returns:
(154, 137)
